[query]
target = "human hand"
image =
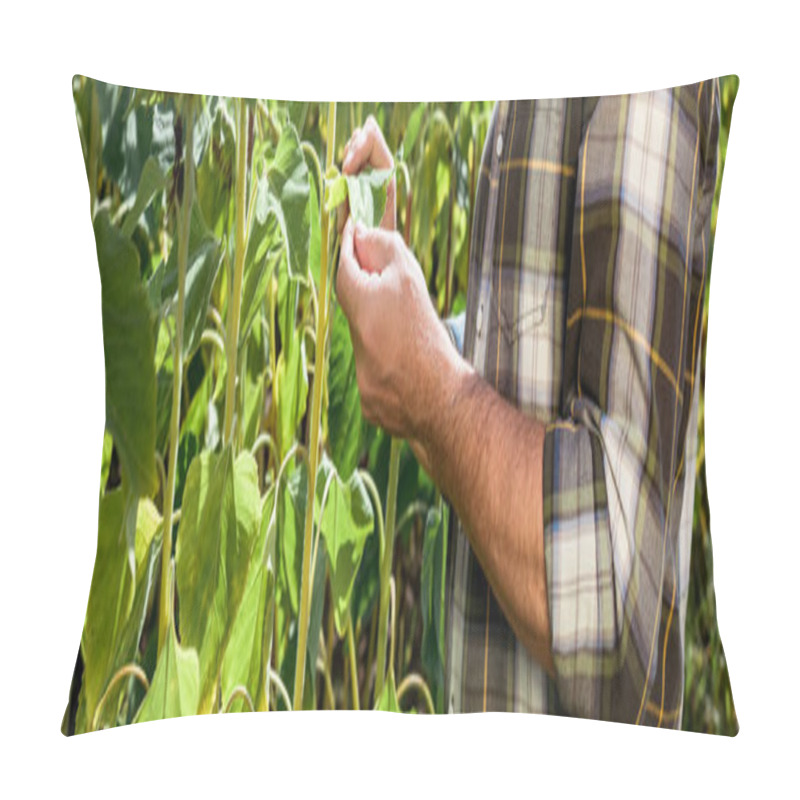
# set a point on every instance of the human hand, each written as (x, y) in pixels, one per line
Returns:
(368, 148)
(402, 350)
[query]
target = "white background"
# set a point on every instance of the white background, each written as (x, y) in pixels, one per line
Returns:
(52, 384)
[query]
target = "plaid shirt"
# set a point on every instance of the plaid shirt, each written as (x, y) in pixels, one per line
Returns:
(586, 281)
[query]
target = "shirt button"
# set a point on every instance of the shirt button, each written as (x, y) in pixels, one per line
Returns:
(479, 320)
(499, 148)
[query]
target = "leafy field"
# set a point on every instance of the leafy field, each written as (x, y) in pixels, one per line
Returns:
(260, 545)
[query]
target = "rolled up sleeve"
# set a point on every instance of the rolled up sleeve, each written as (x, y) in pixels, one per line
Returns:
(613, 463)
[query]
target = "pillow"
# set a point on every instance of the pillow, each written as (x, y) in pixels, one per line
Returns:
(264, 544)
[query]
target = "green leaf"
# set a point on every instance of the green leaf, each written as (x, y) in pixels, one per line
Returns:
(215, 173)
(175, 689)
(433, 580)
(345, 422)
(151, 181)
(129, 348)
(105, 462)
(366, 192)
(345, 521)
(262, 254)
(388, 698)
(289, 183)
(335, 192)
(291, 389)
(412, 129)
(290, 515)
(315, 240)
(248, 653)
(201, 271)
(203, 262)
(217, 532)
(117, 605)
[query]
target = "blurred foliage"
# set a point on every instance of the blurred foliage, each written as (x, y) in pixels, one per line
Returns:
(707, 700)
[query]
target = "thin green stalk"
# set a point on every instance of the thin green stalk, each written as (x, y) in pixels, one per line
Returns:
(211, 337)
(238, 692)
(315, 423)
(235, 298)
(373, 634)
(128, 670)
(184, 221)
(329, 695)
(415, 681)
(351, 649)
(275, 678)
(387, 553)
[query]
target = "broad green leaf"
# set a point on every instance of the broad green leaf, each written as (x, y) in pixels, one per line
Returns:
(217, 533)
(249, 649)
(345, 422)
(196, 419)
(346, 520)
(290, 515)
(201, 271)
(105, 463)
(262, 254)
(388, 698)
(289, 183)
(335, 192)
(412, 129)
(151, 181)
(253, 407)
(117, 605)
(215, 173)
(188, 448)
(291, 389)
(175, 689)
(315, 240)
(432, 600)
(129, 348)
(366, 193)
(203, 262)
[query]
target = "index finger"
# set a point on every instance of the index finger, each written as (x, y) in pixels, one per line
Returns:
(367, 148)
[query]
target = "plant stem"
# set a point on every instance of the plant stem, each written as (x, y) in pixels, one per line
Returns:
(415, 681)
(314, 422)
(235, 298)
(184, 221)
(387, 553)
(238, 691)
(351, 648)
(123, 672)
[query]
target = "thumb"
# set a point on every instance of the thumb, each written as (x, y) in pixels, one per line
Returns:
(349, 278)
(374, 247)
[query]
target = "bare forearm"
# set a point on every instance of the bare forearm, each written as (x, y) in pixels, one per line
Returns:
(486, 456)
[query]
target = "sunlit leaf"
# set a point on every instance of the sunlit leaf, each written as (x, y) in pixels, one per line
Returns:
(116, 607)
(250, 646)
(345, 421)
(152, 180)
(346, 521)
(217, 532)
(129, 348)
(175, 689)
